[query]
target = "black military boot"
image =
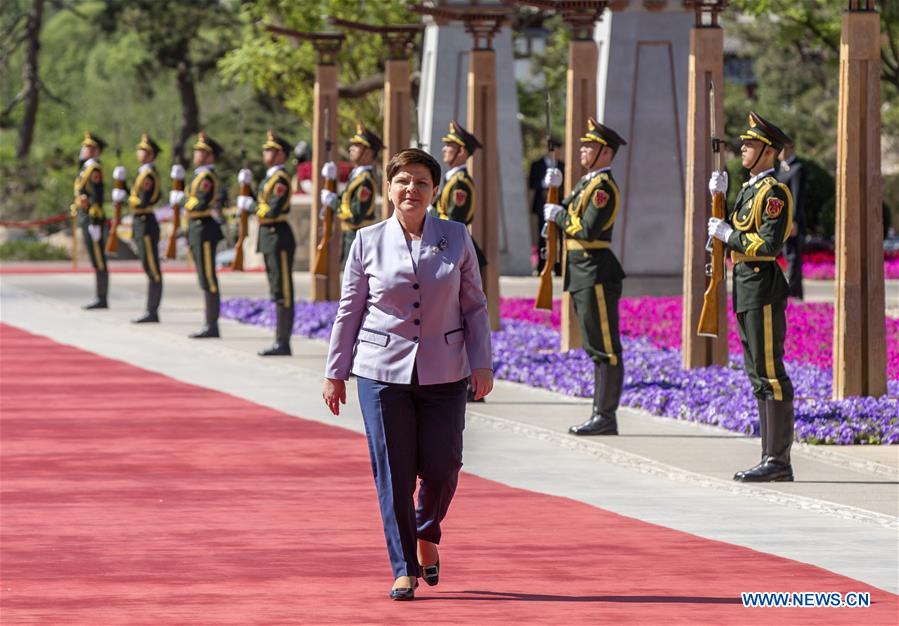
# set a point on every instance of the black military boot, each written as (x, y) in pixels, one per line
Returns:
(211, 328)
(763, 431)
(776, 468)
(607, 383)
(154, 295)
(283, 330)
(102, 289)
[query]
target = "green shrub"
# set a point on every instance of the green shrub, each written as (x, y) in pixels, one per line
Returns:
(31, 250)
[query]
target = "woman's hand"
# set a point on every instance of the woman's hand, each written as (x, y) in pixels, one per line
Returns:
(334, 394)
(481, 382)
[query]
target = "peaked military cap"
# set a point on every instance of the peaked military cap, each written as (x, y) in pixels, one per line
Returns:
(147, 143)
(366, 138)
(93, 139)
(766, 132)
(273, 141)
(602, 134)
(460, 136)
(207, 143)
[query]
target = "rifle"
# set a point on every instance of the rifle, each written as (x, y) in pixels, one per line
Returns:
(112, 244)
(171, 249)
(544, 298)
(237, 263)
(708, 318)
(320, 265)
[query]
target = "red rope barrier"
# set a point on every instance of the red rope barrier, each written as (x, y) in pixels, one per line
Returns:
(61, 217)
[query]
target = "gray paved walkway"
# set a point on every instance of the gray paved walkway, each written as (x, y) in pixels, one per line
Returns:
(841, 514)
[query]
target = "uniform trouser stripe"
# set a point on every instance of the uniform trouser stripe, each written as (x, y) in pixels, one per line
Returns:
(607, 346)
(285, 279)
(150, 251)
(770, 371)
(98, 255)
(207, 266)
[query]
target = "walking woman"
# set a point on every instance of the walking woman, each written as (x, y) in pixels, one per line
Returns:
(412, 326)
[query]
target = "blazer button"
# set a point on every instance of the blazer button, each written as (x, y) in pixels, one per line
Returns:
(416, 304)
(415, 339)
(417, 322)
(755, 269)
(415, 286)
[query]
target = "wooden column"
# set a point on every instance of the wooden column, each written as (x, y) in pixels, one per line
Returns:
(583, 63)
(859, 342)
(399, 40)
(324, 98)
(706, 65)
(397, 119)
(484, 168)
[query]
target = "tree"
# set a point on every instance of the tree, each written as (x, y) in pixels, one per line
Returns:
(284, 71)
(187, 38)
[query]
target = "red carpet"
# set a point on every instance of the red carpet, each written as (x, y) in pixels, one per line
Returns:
(132, 498)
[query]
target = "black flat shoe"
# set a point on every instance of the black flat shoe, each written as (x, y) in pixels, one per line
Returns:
(431, 573)
(207, 332)
(598, 425)
(99, 303)
(767, 472)
(404, 593)
(146, 318)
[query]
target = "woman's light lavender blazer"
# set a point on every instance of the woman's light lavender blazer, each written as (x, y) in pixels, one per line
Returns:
(391, 316)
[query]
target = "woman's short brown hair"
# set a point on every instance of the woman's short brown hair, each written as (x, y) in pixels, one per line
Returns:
(410, 156)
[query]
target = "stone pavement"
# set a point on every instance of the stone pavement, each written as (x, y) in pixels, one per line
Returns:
(840, 514)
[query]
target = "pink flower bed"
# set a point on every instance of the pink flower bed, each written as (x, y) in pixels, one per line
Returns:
(822, 266)
(809, 327)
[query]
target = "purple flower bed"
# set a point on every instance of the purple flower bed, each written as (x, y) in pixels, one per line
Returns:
(526, 351)
(809, 327)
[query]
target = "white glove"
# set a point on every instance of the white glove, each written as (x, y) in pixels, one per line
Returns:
(176, 197)
(719, 229)
(119, 195)
(245, 176)
(329, 171)
(177, 171)
(552, 178)
(329, 198)
(119, 173)
(245, 203)
(95, 230)
(718, 183)
(551, 210)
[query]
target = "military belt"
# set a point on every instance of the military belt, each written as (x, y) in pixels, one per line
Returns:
(142, 211)
(739, 257)
(197, 215)
(272, 220)
(349, 226)
(577, 244)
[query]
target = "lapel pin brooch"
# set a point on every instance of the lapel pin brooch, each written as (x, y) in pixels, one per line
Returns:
(441, 245)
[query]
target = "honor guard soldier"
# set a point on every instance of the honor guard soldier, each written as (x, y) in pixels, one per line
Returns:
(456, 198)
(88, 208)
(276, 240)
(357, 204)
(144, 195)
(593, 275)
(793, 174)
(754, 231)
(203, 231)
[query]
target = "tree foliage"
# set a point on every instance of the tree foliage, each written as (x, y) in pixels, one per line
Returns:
(285, 71)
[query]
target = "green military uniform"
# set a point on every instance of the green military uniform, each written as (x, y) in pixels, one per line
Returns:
(89, 185)
(761, 219)
(145, 192)
(277, 244)
(357, 204)
(593, 277)
(204, 232)
(456, 198)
